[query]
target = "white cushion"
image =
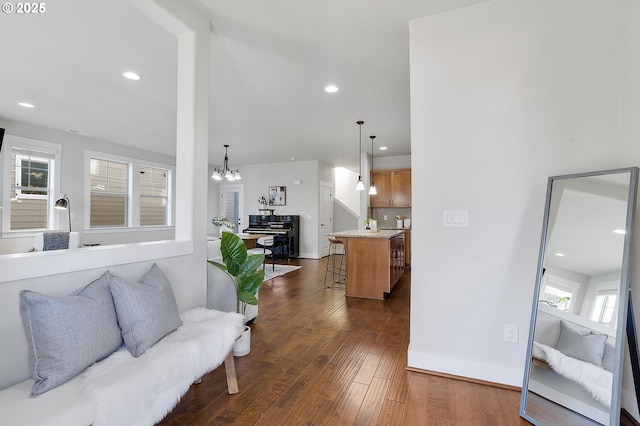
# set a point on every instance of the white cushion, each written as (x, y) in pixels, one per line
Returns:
(265, 241)
(66, 405)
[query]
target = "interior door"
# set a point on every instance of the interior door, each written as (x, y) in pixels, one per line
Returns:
(326, 216)
(231, 204)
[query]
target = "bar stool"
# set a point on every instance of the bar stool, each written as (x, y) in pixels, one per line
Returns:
(264, 245)
(336, 264)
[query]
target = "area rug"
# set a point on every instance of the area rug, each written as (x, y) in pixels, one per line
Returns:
(269, 273)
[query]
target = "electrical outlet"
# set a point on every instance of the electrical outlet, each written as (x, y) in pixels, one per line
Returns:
(385, 217)
(511, 333)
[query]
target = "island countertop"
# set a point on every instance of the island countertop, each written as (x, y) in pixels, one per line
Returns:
(358, 233)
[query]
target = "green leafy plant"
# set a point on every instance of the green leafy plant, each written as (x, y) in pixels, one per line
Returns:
(556, 304)
(245, 270)
(222, 221)
(367, 222)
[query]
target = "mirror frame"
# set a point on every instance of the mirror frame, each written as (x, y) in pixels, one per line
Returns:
(623, 296)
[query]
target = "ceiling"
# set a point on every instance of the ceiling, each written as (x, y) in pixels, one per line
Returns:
(270, 61)
(583, 218)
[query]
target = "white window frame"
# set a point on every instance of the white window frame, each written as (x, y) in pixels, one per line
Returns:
(10, 142)
(133, 195)
(607, 288)
(167, 198)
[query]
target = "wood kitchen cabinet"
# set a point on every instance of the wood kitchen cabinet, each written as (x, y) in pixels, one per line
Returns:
(393, 186)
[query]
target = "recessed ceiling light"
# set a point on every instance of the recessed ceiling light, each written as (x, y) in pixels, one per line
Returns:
(293, 158)
(383, 148)
(619, 231)
(26, 105)
(331, 89)
(131, 75)
(560, 254)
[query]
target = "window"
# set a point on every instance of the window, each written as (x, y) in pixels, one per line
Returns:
(109, 193)
(30, 184)
(605, 305)
(126, 192)
(559, 292)
(153, 196)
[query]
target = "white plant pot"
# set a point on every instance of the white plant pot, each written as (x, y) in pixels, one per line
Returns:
(242, 346)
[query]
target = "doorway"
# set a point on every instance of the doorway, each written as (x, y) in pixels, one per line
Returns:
(326, 216)
(232, 205)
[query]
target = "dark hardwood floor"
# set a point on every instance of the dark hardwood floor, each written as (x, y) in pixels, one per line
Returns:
(320, 358)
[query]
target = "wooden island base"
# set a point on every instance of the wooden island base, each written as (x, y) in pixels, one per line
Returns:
(375, 262)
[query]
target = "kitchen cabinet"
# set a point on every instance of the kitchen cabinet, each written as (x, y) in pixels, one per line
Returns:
(407, 248)
(393, 187)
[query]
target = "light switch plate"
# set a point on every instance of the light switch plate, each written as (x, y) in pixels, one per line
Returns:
(456, 219)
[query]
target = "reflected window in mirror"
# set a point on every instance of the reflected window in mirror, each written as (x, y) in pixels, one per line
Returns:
(559, 293)
(30, 183)
(126, 192)
(606, 303)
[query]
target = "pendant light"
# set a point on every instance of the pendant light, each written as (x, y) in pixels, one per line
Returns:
(360, 183)
(372, 188)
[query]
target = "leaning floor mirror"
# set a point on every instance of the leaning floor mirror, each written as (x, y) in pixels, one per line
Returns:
(573, 371)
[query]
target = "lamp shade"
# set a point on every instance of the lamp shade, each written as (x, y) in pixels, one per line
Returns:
(63, 203)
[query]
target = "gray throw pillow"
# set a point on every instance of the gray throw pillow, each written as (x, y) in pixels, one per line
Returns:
(585, 347)
(66, 334)
(146, 310)
(609, 355)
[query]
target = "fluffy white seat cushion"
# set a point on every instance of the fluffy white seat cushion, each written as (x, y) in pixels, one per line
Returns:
(596, 380)
(141, 391)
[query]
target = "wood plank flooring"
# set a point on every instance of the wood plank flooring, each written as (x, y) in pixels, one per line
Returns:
(320, 358)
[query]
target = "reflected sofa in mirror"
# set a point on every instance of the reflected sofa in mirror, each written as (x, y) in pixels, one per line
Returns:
(573, 370)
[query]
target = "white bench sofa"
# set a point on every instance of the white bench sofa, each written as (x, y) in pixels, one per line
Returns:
(123, 389)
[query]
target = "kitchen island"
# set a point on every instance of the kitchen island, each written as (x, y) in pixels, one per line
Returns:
(375, 261)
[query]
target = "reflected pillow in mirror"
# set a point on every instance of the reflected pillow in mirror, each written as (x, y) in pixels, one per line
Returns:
(585, 347)
(609, 355)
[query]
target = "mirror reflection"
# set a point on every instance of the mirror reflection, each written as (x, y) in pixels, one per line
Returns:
(106, 142)
(573, 352)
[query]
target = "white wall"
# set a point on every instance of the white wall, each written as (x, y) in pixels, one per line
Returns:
(345, 192)
(391, 163)
(503, 95)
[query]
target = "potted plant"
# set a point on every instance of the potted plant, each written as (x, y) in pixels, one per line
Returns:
(247, 275)
(223, 223)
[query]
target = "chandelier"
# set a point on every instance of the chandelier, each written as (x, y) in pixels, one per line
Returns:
(225, 172)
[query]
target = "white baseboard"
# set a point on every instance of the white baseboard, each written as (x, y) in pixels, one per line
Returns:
(465, 368)
(309, 256)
